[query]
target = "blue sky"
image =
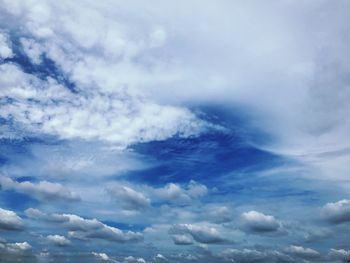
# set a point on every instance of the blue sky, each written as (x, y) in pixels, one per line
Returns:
(184, 131)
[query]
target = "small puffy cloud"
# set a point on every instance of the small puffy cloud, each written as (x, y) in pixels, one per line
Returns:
(299, 251)
(201, 233)
(5, 49)
(130, 199)
(256, 222)
(219, 214)
(102, 256)
(175, 193)
(18, 247)
(9, 220)
(182, 239)
(42, 191)
(338, 212)
(196, 190)
(34, 213)
(160, 258)
(58, 240)
(131, 259)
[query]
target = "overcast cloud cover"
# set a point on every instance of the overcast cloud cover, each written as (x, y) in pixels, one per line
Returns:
(174, 131)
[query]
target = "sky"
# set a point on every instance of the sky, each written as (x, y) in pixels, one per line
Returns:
(174, 131)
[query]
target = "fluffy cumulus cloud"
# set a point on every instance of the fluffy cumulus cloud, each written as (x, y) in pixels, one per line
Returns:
(175, 193)
(219, 214)
(337, 212)
(257, 222)
(44, 191)
(202, 233)
(130, 199)
(9, 220)
(102, 256)
(182, 239)
(131, 259)
(18, 247)
(58, 240)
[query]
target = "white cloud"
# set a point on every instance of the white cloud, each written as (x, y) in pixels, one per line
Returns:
(5, 49)
(9, 220)
(219, 213)
(182, 239)
(339, 254)
(33, 50)
(201, 233)
(175, 193)
(130, 199)
(287, 78)
(18, 247)
(102, 256)
(42, 191)
(338, 212)
(92, 228)
(110, 104)
(82, 228)
(58, 240)
(254, 255)
(302, 252)
(257, 222)
(160, 258)
(131, 259)
(120, 118)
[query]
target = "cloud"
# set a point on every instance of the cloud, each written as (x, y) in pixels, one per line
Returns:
(182, 239)
(81, 228)
(102, 256)
(253, 255)
(131, 259)
(219, 214)
(339, 254)
(306, 253)
(18, 247)
(110, 102)
(58, 240)
(200, 232)
(256, 222)
(338, 212)
(130, 199)
(32, 49)
(92, 228)
(5, 49)
(122, 73)
(9, 220)
(44, 107)
(43, 191)
(175, 193)
(160, 258)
